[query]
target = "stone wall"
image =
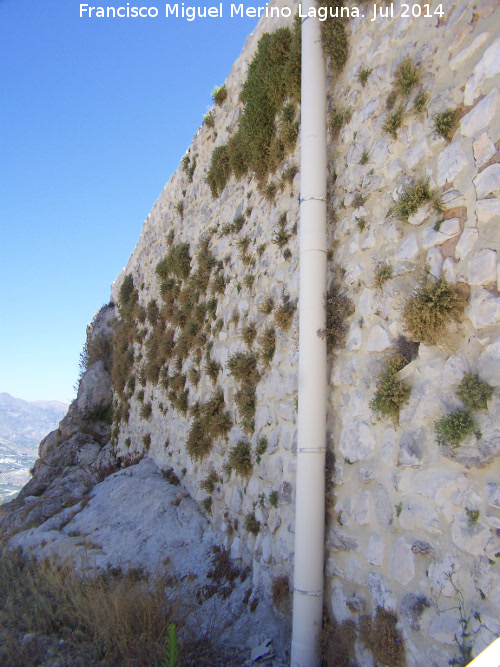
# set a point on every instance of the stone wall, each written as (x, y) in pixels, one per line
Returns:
(413, 525)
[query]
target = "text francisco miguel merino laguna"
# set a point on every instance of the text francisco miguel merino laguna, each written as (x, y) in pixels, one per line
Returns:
(190, 13)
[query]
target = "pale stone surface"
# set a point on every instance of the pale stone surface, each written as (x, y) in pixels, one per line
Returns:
(402, 562)
(431, 237)
(480, 117)
(484, 149)
(486, 209)
(449, 271)
(454, 370)
(468, 536)
(451, 162)
(488, 364)
(482, 267)
(488, 66)
(483, 309)
(420, 515)
(445, 628)
(488, 182)
(357, 441)
(467, 241)
(493, 493)
(408, 250)
(381, 595)
(378, 339)
(466, 53)
(435, 261)
(375, 551)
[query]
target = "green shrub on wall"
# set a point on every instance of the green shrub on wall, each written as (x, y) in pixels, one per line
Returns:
(267, 129)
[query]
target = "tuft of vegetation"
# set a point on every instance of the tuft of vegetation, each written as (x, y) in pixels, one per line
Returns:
(390, 391)
(338, 643)
(219, 95)
(393, 122)
(381, 636)
(383, 272)
(248, 334)
(261, 448)
(251, 524)
(240, 459)
(267, 345)
(339, 118)
(283, 315)
(358, 200)
(334, 36)
(474, 393)
(411, 199)
(445, 123)
(338, 308)
(243, 367)
(213, 422)
(209, 120)
(364, 75)
(208, 484)
(267, 305)
(273, 499)
(289, 174)
(207, 503)
(267, 128)
(364, 157)
(432, 306)
(452, 429)
(420, 103)
(407, 77)
(176, 263)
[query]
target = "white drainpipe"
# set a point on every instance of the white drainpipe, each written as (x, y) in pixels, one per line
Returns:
(310, 484)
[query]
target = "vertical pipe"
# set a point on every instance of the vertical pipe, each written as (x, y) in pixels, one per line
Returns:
(310, 484)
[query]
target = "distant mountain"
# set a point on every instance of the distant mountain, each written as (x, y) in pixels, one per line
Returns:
(23, 424)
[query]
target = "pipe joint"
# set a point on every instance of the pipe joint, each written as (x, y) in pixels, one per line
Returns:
(313, 198)
(308, 593)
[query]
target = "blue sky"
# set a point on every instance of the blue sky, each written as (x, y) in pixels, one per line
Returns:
(95, 115)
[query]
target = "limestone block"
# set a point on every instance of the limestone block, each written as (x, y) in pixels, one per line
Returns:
(449, 271)
(353, 274)
(445, 628)
(452, 198)
(486, 209)
(357, 441)
(450, 227)
(408, 250)
(454, 370)
(480, 117)
(412, 447)
(420, 515)
(422, 214)
(434, 262)
(470, 537)
(431, 237)
(451, 162)
(370, 240)
(413, 605)
(418, 153)
(384, 509)
(353, 571)
(374, 553)
(362, 509)
(462, 56)
(484, 149)
(488, 181)
(378, 339)
(493, 494)
(381, 595)
(339, 540)
(483, 309)
(482, 267)
(466, 243)
(354, 337)
(487, 67)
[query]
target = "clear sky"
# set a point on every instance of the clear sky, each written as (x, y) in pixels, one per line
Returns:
(95, 116)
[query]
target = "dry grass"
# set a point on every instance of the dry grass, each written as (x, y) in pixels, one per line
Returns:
(338, 643)
(103, 619)
(382, 638)
(432, 306)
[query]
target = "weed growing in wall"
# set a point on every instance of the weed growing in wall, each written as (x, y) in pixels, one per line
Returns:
(338, 308)
(266, 130)
(474, 393)
(411, 199)
(364, 75)
(383, 272)
(261, 448)
(219, 95)
(390, 392)
(445, 123)
(381, 636)
(452, 429)
(213, 422)
(432, 306)
(334, 36)
(251, 524)
(240, 459)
